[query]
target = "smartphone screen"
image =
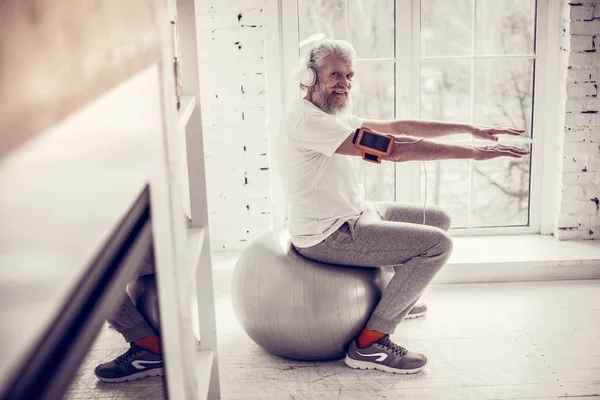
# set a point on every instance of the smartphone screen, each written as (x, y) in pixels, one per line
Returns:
(376, 142)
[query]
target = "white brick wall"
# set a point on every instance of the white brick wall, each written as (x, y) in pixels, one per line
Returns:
(579, 216)
(232, 55)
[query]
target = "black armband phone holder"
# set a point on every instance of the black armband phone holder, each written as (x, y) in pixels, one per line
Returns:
(374, 145)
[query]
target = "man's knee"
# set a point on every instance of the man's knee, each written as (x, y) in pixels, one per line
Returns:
(446, 220)
(442, 218)
(443, 244)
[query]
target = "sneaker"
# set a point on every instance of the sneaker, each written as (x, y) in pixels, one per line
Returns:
(385, 355)
(417, 311)
(134, 364)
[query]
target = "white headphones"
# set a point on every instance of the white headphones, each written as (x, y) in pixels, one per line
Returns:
(307, 75)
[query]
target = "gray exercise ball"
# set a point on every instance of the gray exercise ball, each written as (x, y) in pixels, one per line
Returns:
(144, 294)
(297, 308)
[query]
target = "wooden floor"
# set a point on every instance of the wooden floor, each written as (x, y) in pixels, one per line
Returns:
(530, 340)
(534, 340)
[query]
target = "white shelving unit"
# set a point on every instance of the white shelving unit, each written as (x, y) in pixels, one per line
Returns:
(188, 104)
(196, 284)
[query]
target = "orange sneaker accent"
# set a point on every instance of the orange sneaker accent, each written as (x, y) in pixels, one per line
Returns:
(150, 343)
(368, 337)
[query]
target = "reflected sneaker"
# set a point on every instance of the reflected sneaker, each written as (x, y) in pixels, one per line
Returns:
(417, 311)
(134, 364)
(385, 355)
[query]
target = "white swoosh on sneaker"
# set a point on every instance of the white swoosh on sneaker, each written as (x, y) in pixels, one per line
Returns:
(138, 363)
(382, 356)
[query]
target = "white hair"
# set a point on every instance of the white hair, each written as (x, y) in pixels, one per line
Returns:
(341, 49)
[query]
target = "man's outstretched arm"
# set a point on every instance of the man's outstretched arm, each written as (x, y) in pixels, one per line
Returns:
(434, 129)
(408, 148)
(405, 149)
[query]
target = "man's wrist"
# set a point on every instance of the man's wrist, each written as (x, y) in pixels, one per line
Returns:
(468, 128)
(474, 152)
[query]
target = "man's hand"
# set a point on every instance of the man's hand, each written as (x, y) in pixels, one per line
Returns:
(498, 150)
(414, 149)
(489, 133)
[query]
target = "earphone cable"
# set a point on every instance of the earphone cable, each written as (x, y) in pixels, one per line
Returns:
(424, 203)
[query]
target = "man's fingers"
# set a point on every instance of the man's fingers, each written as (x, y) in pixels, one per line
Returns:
(507, 131)
(500, 150)
(516, 149)
(520, 150)
(517, 130)
(512, 153)
(508, 153)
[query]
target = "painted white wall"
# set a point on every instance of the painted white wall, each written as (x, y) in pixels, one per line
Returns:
(579, 142)
(232, 58)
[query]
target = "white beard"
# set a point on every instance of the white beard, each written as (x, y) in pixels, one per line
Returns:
(324, 99)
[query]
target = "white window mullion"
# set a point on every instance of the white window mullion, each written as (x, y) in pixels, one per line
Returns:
(289, 15)
(275, 100)
(405, 175)
(348, 20)
(362, 167)
(288, 12)
(472, 106)
(416, 189)
(540, 205)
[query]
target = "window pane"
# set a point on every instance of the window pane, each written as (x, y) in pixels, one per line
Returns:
(505, 27)
(318, 19)
(448, 187)
(373, 98)
(446, 27)
(373, 90)
(379, 181)
(372, 28)
(503, 93)
(445, 92)
(501, 192)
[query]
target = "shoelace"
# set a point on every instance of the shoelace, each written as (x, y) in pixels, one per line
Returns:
(394, 348)
(128, 355)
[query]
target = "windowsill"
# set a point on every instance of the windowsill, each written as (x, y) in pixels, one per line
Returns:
(520, 258)
(521, 248)
(503, 258)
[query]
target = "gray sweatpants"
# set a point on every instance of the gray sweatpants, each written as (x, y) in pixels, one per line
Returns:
(416, 251)
(126, 319)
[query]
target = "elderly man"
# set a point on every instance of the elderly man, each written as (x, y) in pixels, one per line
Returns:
(329, 219)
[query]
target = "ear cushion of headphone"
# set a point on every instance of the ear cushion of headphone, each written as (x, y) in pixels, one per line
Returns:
(308, 76)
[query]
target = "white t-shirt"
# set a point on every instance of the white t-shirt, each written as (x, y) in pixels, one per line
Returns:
(321, 188)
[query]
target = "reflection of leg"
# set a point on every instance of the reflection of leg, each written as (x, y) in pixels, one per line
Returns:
(144, 356)
(128, 321)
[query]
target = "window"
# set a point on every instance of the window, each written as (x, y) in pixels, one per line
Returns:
(471, 61)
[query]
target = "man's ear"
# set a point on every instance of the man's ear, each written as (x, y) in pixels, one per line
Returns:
(318, 73)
